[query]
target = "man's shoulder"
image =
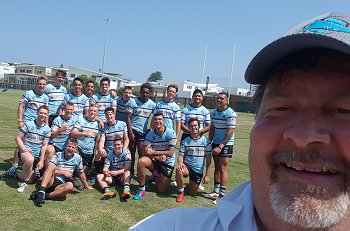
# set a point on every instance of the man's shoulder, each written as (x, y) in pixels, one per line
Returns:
(236, 207)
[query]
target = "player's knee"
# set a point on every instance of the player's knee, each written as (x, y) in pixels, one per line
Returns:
(68, 187)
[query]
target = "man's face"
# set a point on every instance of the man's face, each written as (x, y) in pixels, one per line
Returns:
(197, 98)
(104, 86)
(299, 151)
(194, 127)
(77, 86)
(59, 79)
(93, 112)
(118, 146)
(90, 88)
(126, 94)
(171, 93)
(158, 122)
(71, 147)
(221, 100)
(68, 110)
(42, 114)
(144, 94)
(110, 117)
(40, 85)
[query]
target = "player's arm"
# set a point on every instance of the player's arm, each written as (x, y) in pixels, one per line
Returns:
(42, 153)
(207, 169)
(211, 132)
(20, 112)
(101, 145)
(205, 129)
(227, 136)
(77, 134)
(128, 124)
(126, 140)
(82, 177)
(177, 128)
(166, 153)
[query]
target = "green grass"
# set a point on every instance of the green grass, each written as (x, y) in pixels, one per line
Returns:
(84, 210)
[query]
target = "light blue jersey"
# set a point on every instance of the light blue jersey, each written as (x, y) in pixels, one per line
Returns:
(117, 162)
(194, 152)
(171, 112)
(73, 164)
(110, 131)
(141, 113)
(200, 113)
(123, 107)
(32, 102)
(103, 101)
(61, 140)
(222, 121)
(34, 136)
(86, 144)
(78, 101)
(56, 96)
(163, 142)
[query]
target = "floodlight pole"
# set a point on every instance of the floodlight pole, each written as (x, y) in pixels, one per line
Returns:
(104, 46)
(233, 61)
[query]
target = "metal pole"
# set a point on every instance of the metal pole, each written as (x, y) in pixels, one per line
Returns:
(233, 61)
(104, 46)
(205, 59)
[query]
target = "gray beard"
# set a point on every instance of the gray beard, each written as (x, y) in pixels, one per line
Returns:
(309, 209)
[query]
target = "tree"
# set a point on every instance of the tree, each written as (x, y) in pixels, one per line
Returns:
(155, 76)
(85, 78)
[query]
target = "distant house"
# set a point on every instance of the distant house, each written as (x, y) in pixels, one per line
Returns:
(23, 76)
(116, 79)
(19, 81)
(6, 68)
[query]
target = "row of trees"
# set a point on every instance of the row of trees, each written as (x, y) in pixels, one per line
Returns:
(154, 77)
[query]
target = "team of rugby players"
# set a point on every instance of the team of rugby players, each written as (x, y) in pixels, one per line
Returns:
(65, 138)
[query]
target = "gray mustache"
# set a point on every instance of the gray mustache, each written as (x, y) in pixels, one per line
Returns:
(322, 158)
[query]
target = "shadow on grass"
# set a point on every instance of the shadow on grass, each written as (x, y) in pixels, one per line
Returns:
(6, 164)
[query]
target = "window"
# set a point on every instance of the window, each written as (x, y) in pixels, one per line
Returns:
(189, 87)
(39, 72)
(72, 75)
(29, 71)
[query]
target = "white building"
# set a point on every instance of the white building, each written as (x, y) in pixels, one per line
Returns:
(187, 87)
(33, 69)
(240, 91)
(6, 68)
(116, 80)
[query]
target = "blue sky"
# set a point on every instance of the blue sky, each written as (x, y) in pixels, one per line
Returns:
(153, 35)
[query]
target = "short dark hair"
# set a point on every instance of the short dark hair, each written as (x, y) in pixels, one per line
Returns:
(173, 86)
(90, 81)
(61, 72)
(117, 138)
(105, 79)
(158, 114)
(146, 85)
(193, 119)
(78, 79)
(44, 106)
(197, 91)
(74, 141)
(127, 87)
(223, 93)
(109, 109)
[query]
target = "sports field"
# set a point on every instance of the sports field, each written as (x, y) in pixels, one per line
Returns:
(83, 210)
